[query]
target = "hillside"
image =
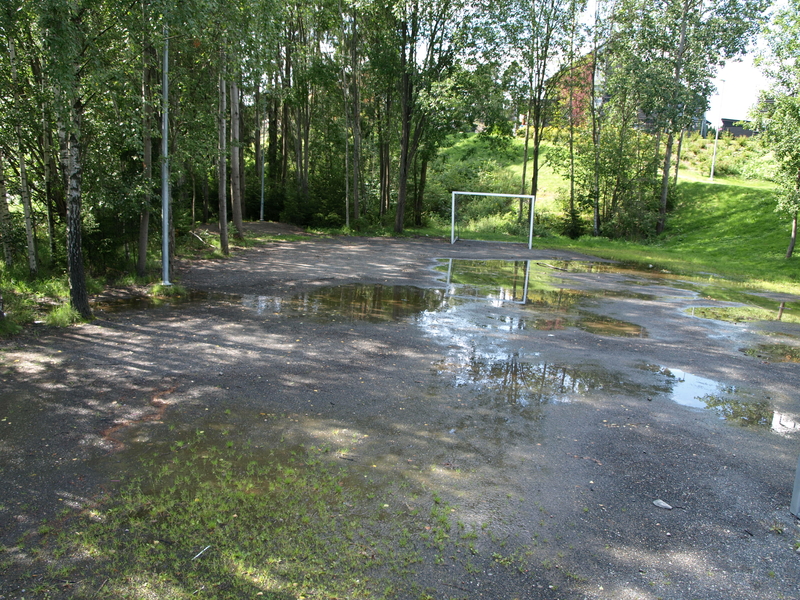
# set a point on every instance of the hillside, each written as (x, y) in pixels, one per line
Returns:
(728, 226)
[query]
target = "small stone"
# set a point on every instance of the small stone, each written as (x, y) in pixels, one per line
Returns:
(661, 504)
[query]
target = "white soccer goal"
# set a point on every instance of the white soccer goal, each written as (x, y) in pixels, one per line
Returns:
(531, 200)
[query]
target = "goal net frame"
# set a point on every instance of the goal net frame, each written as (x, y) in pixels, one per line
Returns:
(531, 202)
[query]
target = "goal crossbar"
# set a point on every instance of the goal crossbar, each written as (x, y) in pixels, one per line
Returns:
(531, 201)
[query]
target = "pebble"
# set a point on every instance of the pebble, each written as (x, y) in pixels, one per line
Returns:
(661, 504)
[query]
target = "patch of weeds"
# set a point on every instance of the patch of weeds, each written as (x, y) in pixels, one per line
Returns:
(776, 528)
(739, 314)
(168, 291)
(506, 561)
(239, 523)
(63, 316)
(221, 521)
(9, 326)
(774, 353)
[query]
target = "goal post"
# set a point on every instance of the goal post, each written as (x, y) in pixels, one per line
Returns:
(531, 202)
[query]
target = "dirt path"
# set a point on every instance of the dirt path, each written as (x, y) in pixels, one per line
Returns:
(559, 434)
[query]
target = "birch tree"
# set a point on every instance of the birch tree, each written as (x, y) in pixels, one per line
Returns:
(680, 44)
(777, 114)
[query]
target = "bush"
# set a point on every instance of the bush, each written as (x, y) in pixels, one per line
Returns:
(63, 316)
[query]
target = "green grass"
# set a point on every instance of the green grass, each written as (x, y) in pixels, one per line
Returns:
(228, 521)
(775, 352)
(728, 230)
(168, 291)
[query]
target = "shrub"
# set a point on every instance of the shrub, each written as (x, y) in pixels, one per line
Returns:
(62, 316)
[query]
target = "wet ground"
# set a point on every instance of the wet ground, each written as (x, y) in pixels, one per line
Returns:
(548, 396)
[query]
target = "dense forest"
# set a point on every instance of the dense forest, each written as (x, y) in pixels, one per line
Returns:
(330, 113)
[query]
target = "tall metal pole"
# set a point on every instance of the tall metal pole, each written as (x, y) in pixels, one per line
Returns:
(720, 125)
(453, 218)
(165, 162)
(714, 155)
(262, 177)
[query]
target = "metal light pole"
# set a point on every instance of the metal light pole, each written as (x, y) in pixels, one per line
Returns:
(714, 155)
(262, 178)
(716, 135)
(165, 162)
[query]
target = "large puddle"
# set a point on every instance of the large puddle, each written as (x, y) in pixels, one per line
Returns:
(482, 306)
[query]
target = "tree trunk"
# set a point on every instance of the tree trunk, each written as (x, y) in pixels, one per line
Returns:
(385, 155)
(286, 129)
(793, 239)
(236, 183)
(662, 209)
(408, 60)
(525, 151)
(273, 165)
(596, 148)
(147, 160)
(420, 192)
(243, 135)
(405, 151)
(356, 119)
(258, 151)
(5, 217)
(23, 172)
(678, 157)
(222, 168)
(346, 149)
(27, 209)
(205, 195)
(47, 163)
(79, 297)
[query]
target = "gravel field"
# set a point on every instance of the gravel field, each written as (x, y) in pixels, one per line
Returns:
(559, 426)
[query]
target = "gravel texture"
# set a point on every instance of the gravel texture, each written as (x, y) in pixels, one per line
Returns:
(449, 398)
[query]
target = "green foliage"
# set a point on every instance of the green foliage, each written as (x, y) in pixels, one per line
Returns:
(168, 291)
(62, 316)
(742, 157)
(717, 230)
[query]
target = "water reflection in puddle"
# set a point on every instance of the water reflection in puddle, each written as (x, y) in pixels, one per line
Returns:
(545, 309)
(151, 302)
(353, 302)
(512, 379)
(734, 405)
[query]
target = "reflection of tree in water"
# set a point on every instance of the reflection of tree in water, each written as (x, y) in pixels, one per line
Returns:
(517, 382)
(750, 414)
(368, 302)
(505, 280)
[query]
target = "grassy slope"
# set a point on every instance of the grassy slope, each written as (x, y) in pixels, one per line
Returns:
(728, 227)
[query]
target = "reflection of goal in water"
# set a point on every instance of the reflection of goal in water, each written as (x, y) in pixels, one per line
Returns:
(453, 212)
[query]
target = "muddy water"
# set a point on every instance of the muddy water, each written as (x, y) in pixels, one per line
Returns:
(480, 309)
(483, 307)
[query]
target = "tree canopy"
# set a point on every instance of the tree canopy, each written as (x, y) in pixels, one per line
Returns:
(339, 106)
